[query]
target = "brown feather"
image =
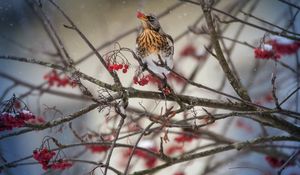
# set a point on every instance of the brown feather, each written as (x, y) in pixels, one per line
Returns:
(151, 41)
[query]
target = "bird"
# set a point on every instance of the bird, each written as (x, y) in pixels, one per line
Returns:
(154, 46)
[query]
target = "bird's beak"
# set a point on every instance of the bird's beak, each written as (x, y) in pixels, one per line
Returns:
(141, 16)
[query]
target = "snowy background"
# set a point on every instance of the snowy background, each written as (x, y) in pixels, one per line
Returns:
(22, 34)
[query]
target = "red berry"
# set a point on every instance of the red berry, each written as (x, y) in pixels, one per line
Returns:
(144, 81)
(115, 66)
(110, 68)
(188, 50)
(120, 66)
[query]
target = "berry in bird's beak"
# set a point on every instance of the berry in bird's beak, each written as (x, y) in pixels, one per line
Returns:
(140, 15)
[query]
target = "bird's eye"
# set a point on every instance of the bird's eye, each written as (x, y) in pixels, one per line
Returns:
(151, 18)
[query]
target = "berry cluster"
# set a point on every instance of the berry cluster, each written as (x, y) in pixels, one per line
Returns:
(145, 79)
(43, 156)
(266, 52)
(98, 148)
(14, 120)
(116, 67)
(191, 51)
(185, 138)
(276, 47)
(284, 46)
(54, 78)
(14, 114)
(188, 50)
(142, 81)
(285, 49)
(275, 162)
(150, 161)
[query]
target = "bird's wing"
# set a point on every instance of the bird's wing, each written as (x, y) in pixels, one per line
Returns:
(170, 38)
(170, 43)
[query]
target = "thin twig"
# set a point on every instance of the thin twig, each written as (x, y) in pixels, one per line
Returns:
(116, 135)
(288, 161)
(238, 146)
(248, 23)
(135, 146)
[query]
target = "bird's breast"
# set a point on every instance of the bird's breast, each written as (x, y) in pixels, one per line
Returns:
(150, 41)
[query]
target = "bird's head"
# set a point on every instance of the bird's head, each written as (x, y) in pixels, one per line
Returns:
(149, 21)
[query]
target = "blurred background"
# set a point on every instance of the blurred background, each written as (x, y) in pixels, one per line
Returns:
(107, 22)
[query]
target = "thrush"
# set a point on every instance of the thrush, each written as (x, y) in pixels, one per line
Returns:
(154, 46)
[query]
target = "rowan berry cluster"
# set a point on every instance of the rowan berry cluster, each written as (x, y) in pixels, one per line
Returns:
(191, 51)
(146, 79)
(14, 120)
(185, 138)
(276, 47)
(266, 52)
(284, 46)
(54, 78)
(14, 114)
(44, 156)
(150, 160)
(188, 50)
(116, 67)
(142, 81)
